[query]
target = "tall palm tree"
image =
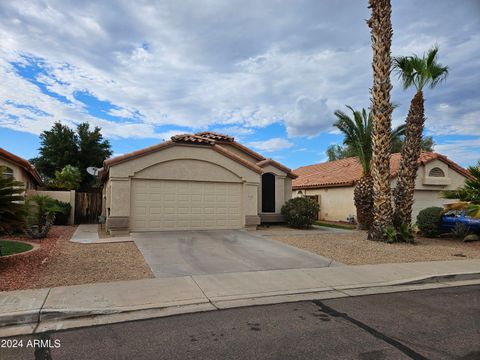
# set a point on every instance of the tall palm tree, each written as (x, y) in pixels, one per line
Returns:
(381, 35)
(357, 133)
(418, 72)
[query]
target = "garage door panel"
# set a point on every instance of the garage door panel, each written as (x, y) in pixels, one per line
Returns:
(168, 205)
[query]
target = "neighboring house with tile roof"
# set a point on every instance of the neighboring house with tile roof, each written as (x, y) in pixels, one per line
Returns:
(193, 181)
(20, 169)
(332, 183)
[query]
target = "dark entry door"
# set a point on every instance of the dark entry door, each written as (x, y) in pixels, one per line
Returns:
(88, 207)
(268, 193)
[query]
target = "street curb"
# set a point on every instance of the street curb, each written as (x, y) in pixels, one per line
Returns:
(44, 319)
(442, 278)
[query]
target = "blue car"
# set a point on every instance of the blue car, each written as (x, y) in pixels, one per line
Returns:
(451, 218)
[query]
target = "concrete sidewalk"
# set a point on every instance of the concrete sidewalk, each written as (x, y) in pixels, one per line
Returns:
(39, 310)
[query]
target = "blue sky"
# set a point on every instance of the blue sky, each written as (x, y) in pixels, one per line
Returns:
(270, 73)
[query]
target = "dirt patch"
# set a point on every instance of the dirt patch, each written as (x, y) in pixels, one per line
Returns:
(75, 264)
(22, 271)
(353, 248)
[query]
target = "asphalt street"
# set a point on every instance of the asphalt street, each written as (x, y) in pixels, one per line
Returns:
(431, 324)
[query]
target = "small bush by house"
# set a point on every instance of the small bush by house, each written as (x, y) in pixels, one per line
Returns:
(42, 210)
(61, 218)
(300, 212)
(428, 221)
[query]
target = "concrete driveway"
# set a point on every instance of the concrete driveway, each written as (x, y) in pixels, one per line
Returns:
(180, 253)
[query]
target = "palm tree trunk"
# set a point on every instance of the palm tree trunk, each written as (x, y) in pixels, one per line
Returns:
(411, 150)
(381, 35)
(363, 197)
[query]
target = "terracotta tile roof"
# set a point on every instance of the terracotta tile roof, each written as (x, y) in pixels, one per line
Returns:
(24, 164)
(192, 139)
(215, 136)
(272, 162)
(345, 172)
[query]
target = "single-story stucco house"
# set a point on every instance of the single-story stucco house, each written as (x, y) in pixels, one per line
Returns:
(20, 169)
(193, 182)
(332, 183)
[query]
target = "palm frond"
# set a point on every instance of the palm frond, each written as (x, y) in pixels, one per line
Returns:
(420, 71)
(357, 134)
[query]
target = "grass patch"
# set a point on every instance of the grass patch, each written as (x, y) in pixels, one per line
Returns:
(335, 226)
(8, 247)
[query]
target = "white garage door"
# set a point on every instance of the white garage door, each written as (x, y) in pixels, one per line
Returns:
(185, 205)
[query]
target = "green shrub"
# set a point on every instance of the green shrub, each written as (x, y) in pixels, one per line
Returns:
(42, 210)
(428, 221)
(12, 209)
(460, 231)
(300, 212)
(404, 234)
(61, 218)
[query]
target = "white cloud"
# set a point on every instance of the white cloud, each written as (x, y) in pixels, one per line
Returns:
(237, 132)
(271, 145)
(309, 117)
(236, 64)
(461, 151)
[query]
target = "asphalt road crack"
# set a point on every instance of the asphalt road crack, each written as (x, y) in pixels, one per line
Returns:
(396, 344)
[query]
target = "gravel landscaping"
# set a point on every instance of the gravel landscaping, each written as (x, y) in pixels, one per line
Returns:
(74, 264)
(23, 270)
(59, 262)
(353, 248)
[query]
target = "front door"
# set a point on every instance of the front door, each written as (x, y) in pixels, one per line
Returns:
(268, 193)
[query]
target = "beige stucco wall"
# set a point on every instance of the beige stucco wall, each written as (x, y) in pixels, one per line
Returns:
(240, 153)
(130, 168)
(19, 174)
(64, 196)
(337, 203)
(179, 163)
(120, 200)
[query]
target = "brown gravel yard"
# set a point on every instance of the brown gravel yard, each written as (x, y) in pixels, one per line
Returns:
(22, 271)
(353, 248)
(75, 264)
(60, 262)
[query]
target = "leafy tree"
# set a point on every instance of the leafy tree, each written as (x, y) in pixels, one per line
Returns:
(417, 72)
(12, 209)
(93, 149)
(337, 152)
(58, 149)
(61, 146)
(427, 144)
(69, 178)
